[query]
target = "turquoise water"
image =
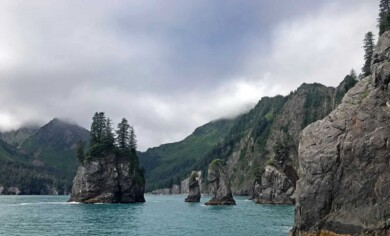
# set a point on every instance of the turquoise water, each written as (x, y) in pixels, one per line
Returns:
(160, 215)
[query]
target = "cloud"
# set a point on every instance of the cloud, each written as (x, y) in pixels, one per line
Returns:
(169, 66)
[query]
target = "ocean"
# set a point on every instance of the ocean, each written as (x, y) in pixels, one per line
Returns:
(159, 215)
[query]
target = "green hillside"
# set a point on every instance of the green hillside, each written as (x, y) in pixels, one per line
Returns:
(170, 163)
(54, 145)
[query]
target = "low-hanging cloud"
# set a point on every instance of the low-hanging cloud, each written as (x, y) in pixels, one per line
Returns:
(169, 66)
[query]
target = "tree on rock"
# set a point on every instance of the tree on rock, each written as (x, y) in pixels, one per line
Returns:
(368, 52)
(97, 128)
(80, 146)
(132, 140)
(384, 16)
(123, 135)
(108, 139)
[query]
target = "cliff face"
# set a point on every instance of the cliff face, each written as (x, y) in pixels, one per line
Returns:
(112, 179)
(344, 159)
(309, 103)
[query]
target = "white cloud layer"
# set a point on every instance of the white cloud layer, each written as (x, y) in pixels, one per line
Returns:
(169, 66)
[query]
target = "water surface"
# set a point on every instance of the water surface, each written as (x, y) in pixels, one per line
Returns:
(160, 215)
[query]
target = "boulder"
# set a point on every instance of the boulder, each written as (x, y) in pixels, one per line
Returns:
(220, 184)
(194, 188)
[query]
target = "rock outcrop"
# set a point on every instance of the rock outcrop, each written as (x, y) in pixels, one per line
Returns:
(194, 188)
(112, 179)
(344, 159)
(275, 187)
(220, 184)
(11, 191)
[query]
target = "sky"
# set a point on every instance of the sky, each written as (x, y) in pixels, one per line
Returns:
(169, 66)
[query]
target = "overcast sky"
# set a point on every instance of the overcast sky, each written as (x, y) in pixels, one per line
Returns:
(169, 66)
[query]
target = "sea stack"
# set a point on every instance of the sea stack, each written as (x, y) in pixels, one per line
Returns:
(109, 171)
(220, 184)
(344, 185)
(194, 188)
(111, 179)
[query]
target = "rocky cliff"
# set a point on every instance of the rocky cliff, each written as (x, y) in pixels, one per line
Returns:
(111, 179)
(344, 185)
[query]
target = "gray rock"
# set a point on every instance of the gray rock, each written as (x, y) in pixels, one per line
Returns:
(275, 188)
(194, 188)
(344, 185)
(220, 184)
(184, 186)
(111, 179)
(1, 190)
(12, 191)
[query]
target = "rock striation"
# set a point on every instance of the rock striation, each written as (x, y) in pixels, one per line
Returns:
(112, 179)
(220, 184)
(344, 159)
(194, 188)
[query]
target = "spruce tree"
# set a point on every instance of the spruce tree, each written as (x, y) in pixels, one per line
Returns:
(384, 16)
(353, 74)
(98, 127)
(108, 137)
(123, 135)
(94, 129)
(368, 52)
(80, 151)
(132, 140)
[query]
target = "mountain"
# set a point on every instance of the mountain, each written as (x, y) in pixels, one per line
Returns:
(41, 160)
(169, 163)
(344, 177)
(267, 135)
(17, 137)
(54, 144)
(18, 176)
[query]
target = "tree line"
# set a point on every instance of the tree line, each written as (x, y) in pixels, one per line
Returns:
(103, 140)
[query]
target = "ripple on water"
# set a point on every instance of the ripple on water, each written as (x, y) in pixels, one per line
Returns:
(160, 215)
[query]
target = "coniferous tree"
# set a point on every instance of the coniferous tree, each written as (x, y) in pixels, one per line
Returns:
(353, 74)
(101, 126)
(80, 151)
(123, 135)
(384, 16)
(368, 52)
(132, 140)
(98, 127)
(94, 129)
(108, 137)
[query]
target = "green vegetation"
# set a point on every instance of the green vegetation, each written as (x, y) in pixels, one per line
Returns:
(368, 45)
(271, 162)
(30, 179)
(104, 143)
(54, 146)
(348, 82)
(216, 162)
(318, 102)
(171, 163)
(103, 140)
(16, 171)
(384, 16)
